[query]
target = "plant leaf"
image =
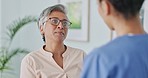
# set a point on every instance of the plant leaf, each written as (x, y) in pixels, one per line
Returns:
(5, 60)
(15, 52)
(17, 25)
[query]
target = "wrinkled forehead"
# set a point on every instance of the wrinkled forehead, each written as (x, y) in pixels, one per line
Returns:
(58, 14)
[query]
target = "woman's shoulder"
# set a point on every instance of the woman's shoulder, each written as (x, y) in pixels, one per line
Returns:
(31, 56)
(76, 51)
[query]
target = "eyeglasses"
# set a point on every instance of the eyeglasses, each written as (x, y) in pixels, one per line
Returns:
(55, 21)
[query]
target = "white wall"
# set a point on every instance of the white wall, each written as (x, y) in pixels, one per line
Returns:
(29, 37)
(8, 14)
(146, 16)
(0, 23)
(10, 10)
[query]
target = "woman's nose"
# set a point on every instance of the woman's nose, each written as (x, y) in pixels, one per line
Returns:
(60, 26)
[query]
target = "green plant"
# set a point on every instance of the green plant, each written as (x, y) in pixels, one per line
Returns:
(6, 53)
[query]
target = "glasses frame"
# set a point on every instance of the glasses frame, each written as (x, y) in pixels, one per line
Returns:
(49, 19)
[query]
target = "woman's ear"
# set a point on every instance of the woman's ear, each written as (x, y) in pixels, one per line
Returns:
(41, 30)
(106, 7)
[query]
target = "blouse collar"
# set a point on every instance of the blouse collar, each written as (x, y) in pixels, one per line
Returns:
(49, 54)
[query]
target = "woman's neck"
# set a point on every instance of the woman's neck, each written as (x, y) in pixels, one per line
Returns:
(55, 48)
(132, 26)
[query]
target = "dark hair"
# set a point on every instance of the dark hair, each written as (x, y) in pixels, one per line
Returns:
(128, 8)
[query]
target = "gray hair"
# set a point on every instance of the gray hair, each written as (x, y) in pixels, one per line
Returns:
(44, 15)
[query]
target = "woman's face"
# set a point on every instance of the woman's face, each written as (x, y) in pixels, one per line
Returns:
(55, 33)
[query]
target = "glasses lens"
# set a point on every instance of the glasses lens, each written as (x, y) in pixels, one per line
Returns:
(66, 23)
(54, 21)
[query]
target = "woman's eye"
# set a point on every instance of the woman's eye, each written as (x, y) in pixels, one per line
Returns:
(65, 23)
(55, 21)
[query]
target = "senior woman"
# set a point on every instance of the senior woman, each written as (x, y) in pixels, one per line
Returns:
(54, 59)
